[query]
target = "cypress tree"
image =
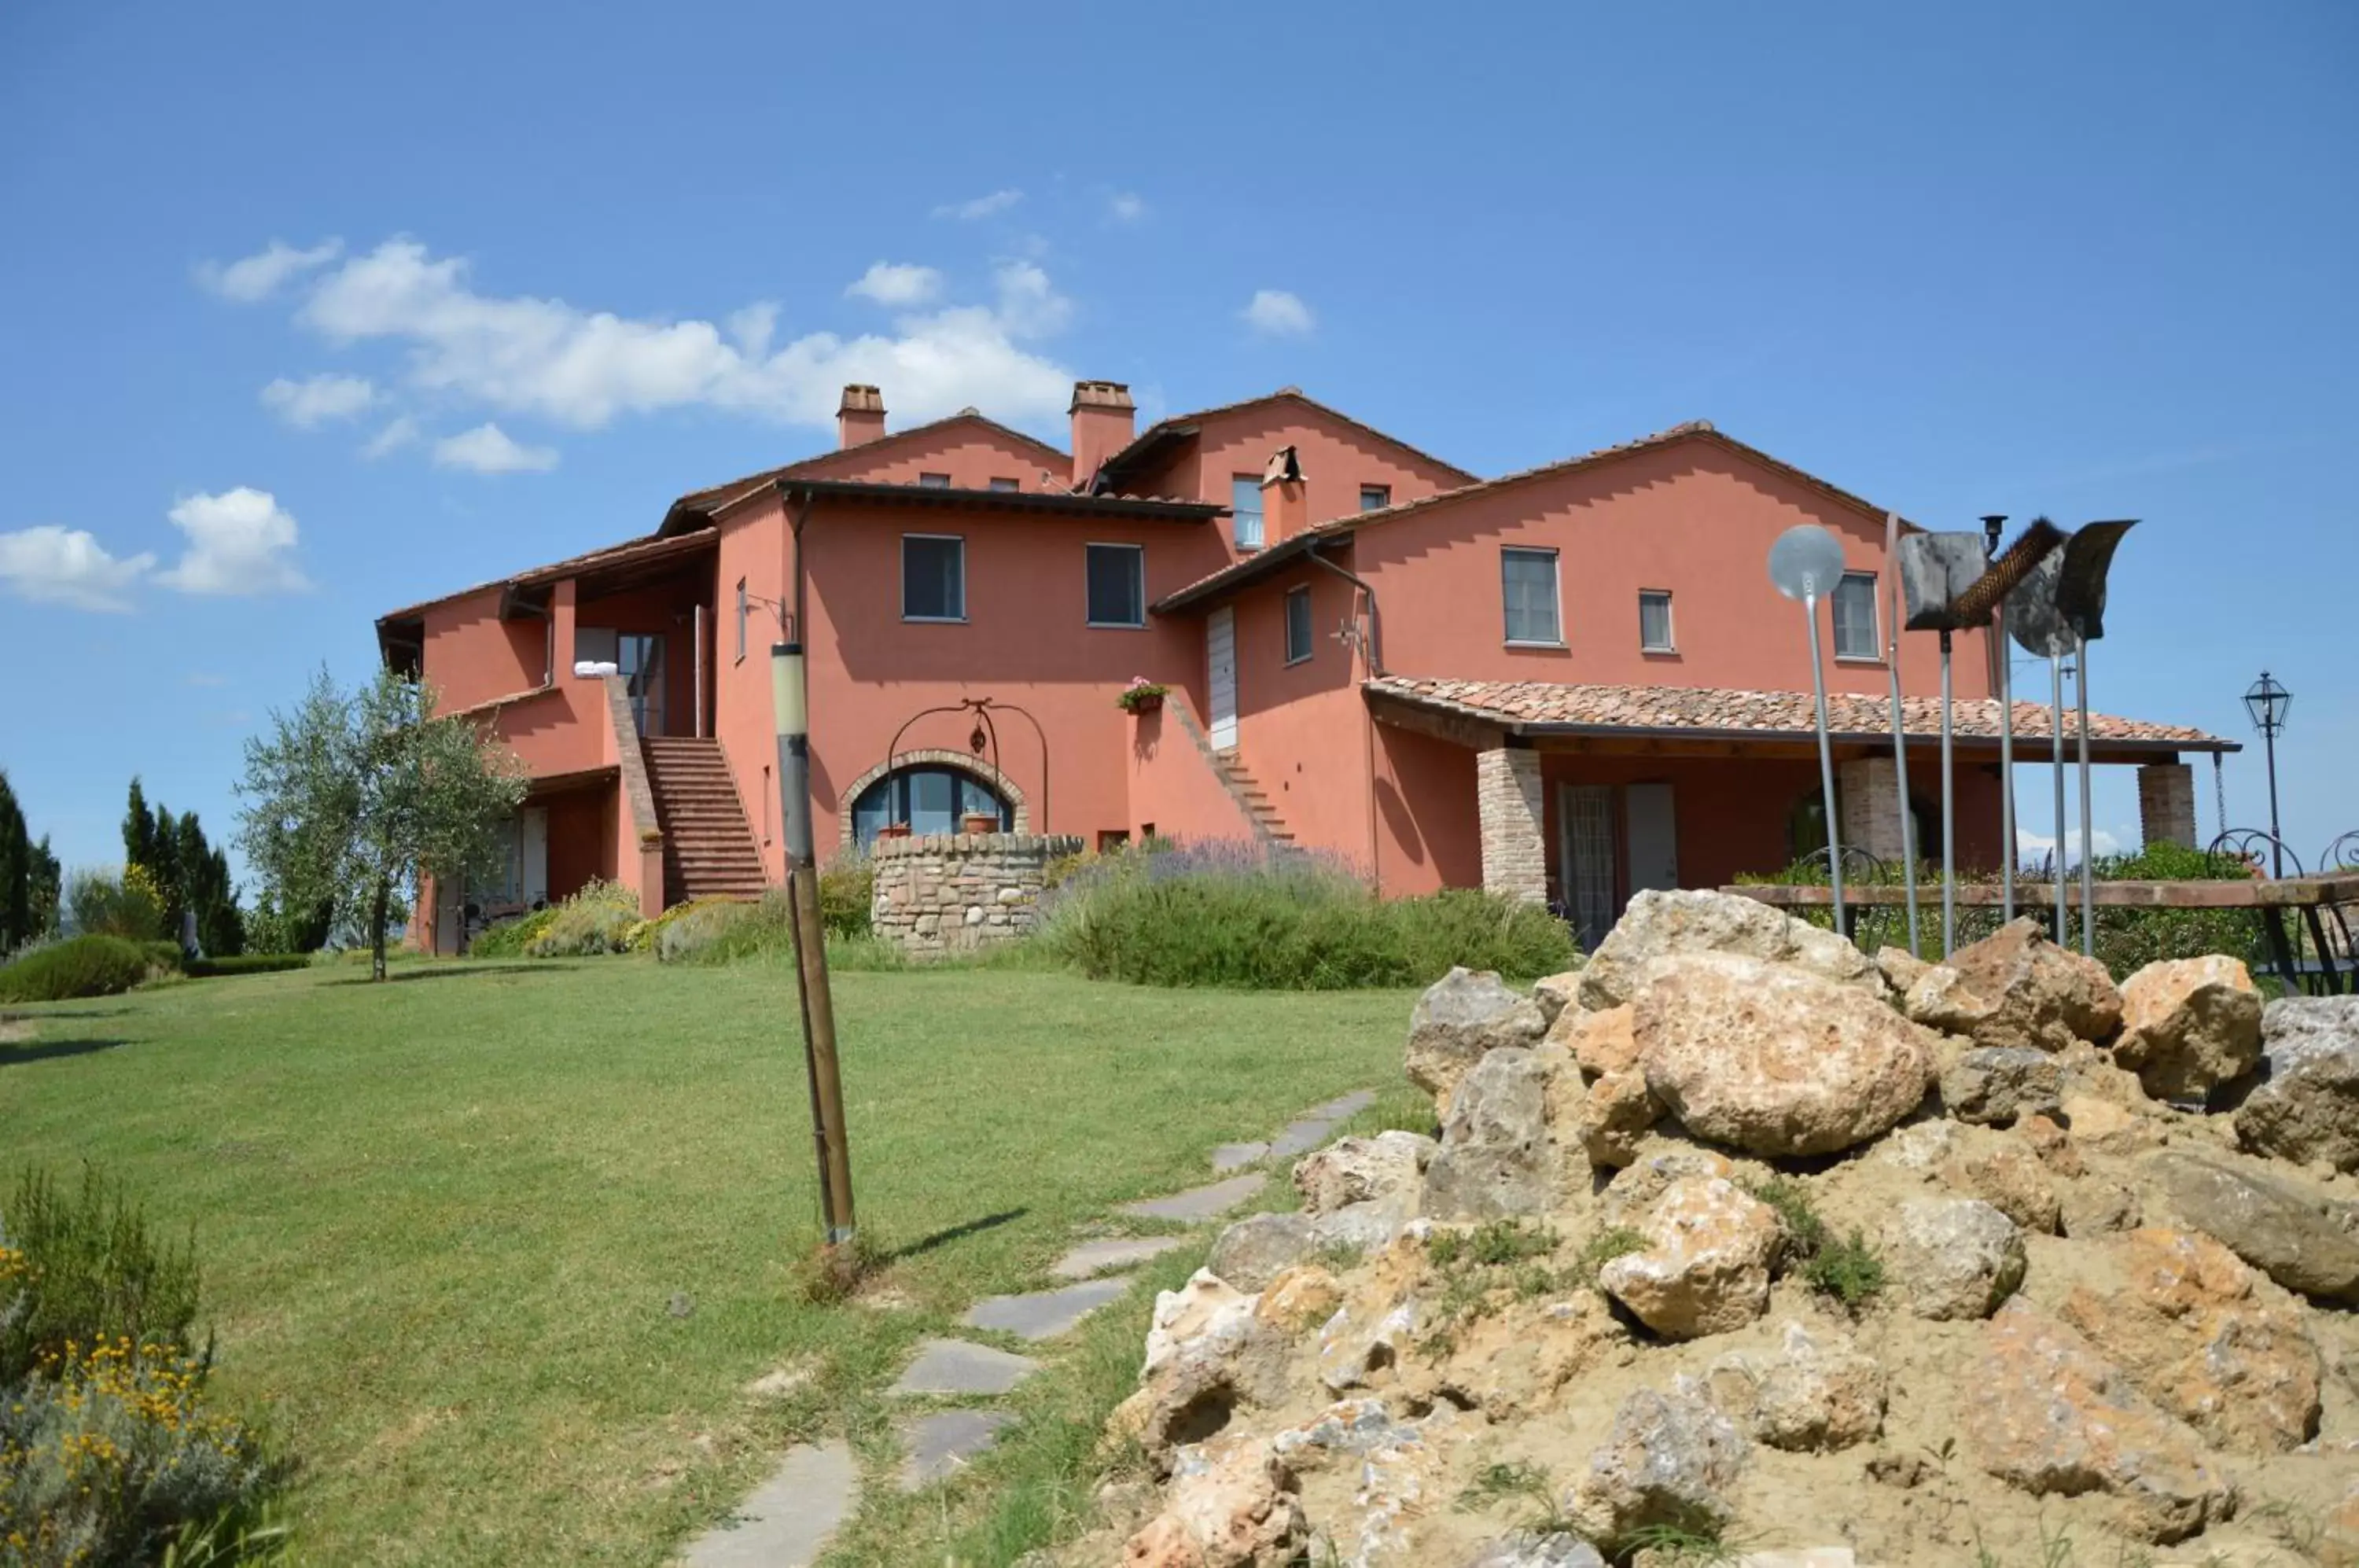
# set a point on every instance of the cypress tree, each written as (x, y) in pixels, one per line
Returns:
(16, 874)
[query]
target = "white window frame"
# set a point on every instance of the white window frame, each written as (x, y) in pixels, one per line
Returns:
(1555, 594)
(934, 620)
(1005, 485)
(1238, 515)
(1875, 621)
(1138, 555)
(933, 481)
(1670, 624)
(1310, 627)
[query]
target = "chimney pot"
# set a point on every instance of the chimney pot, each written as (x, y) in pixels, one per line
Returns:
(859, 417)
(1105, 419)
(1285, 498)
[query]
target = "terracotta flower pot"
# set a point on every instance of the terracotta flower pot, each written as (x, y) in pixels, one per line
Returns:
(1142, 706)
(979, 823)
(893, 830)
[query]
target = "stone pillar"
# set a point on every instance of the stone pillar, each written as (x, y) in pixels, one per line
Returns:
(1508, 800)
(2166, 804)
(1868, 787)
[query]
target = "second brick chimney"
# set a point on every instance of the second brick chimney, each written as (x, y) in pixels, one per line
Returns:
(1105, 419)
(860, 418)
(1285, 500)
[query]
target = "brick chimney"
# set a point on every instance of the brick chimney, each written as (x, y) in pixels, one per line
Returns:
(1285, 500)
(860, 418)
(1105, 419)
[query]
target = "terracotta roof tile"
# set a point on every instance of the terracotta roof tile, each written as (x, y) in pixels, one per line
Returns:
(1729, 710)
(1177, 423)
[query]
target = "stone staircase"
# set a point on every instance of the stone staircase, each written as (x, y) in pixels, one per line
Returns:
(1268, 824)
(709, 848)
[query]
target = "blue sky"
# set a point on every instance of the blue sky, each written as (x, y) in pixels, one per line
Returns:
(317, 311)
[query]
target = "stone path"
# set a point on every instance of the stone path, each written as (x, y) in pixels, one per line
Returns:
(788, 1519)
(789, 1516)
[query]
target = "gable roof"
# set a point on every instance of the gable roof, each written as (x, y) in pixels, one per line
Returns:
(1255, 568)
(1171, 434)
(715, 499)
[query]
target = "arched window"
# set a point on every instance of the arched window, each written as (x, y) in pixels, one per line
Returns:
(929, 799)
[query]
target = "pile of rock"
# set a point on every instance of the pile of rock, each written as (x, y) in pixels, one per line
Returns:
(1737, 1234)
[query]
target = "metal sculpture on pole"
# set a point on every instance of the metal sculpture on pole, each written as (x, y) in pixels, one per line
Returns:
(1992, 525)
(1899, 728)
(2081, 599)
(1805, 563)
(2037, 627)
(1949, 585)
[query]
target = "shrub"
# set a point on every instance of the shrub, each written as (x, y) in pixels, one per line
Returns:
(1228, 915)
(116, 903)
(79, 967)
(604, 917)
(686, 931)
(82, 1270)
(510, 938)
(246, 964)
(847, 896)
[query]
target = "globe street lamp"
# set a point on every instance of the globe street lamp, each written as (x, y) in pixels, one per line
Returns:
(2268, 703)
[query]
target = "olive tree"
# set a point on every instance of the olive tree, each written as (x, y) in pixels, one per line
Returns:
(356, 796)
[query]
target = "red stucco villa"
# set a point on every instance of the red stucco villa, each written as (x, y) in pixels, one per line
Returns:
(1571, 683)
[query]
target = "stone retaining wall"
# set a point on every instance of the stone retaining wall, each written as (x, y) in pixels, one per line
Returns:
(949, 892)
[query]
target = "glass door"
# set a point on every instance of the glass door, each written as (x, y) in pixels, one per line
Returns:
(1587, 869)
(641, 656)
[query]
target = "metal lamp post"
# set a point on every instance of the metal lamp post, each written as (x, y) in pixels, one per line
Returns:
(2269, 702)
(790, 710)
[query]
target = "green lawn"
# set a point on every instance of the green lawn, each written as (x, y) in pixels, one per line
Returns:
(445, 1221)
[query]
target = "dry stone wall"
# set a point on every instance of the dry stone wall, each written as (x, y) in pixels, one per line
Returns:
(951, 892)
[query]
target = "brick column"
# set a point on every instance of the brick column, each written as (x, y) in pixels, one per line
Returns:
(1514, 846)
(1868, 787)
(2166, 804)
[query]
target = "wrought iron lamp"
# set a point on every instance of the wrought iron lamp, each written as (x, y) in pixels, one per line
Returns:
(2268, 703)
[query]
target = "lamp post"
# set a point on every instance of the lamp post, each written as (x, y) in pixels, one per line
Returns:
(2268, 703)
(1992, 525)
(790, 710)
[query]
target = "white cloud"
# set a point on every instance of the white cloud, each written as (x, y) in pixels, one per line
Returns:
(1276, 313)
(258, 275)
(307, 404)
(395, 435)
(981, 207)
(2031, 848)
(897, 283)
(519, 354)
(240, 542)
(487, 449)
(1127, 207)
(68, 566)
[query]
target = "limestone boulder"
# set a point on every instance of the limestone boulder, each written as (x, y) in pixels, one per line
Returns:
(1705, 1268)
(2306, 1106)
(2097, 1207)
(2285, 1230)
(1953, 1257)
(2189, 1026)
(1999, 1085)
(2052, 1417)
(1386, 1168)
(1637, 1187)
(1773, 1059)
(1661, 924)
(1601, 1042)
(1209, 1353)
(1257, 1249)
(1900, 968)
(1611, 1119)
(1818, 1393)
(2009, 1177)
(1497, 1158)
(1229, 1506)
(1525, 1550)
(1462, 1017)
(2181, 1315)
(2053, 1145)
(1515, 1361)
(2016, 987)
(1671, 1459)
(1557, 994)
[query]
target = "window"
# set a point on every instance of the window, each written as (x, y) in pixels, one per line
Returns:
(1006, 484)
(1375, 497)
(926, 799)
(1298, 624)
(933, 577)
(1529, 579)
(1118, 584)
(1654, 621)
(1854, 604)
(934, 481)
(1111, 839)
(741, 620)
(1244, 501)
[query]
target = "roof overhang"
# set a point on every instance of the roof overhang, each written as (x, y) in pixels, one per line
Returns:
(1153, 449)
(1481, 729)
(1131, 508)
(1255, 568)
